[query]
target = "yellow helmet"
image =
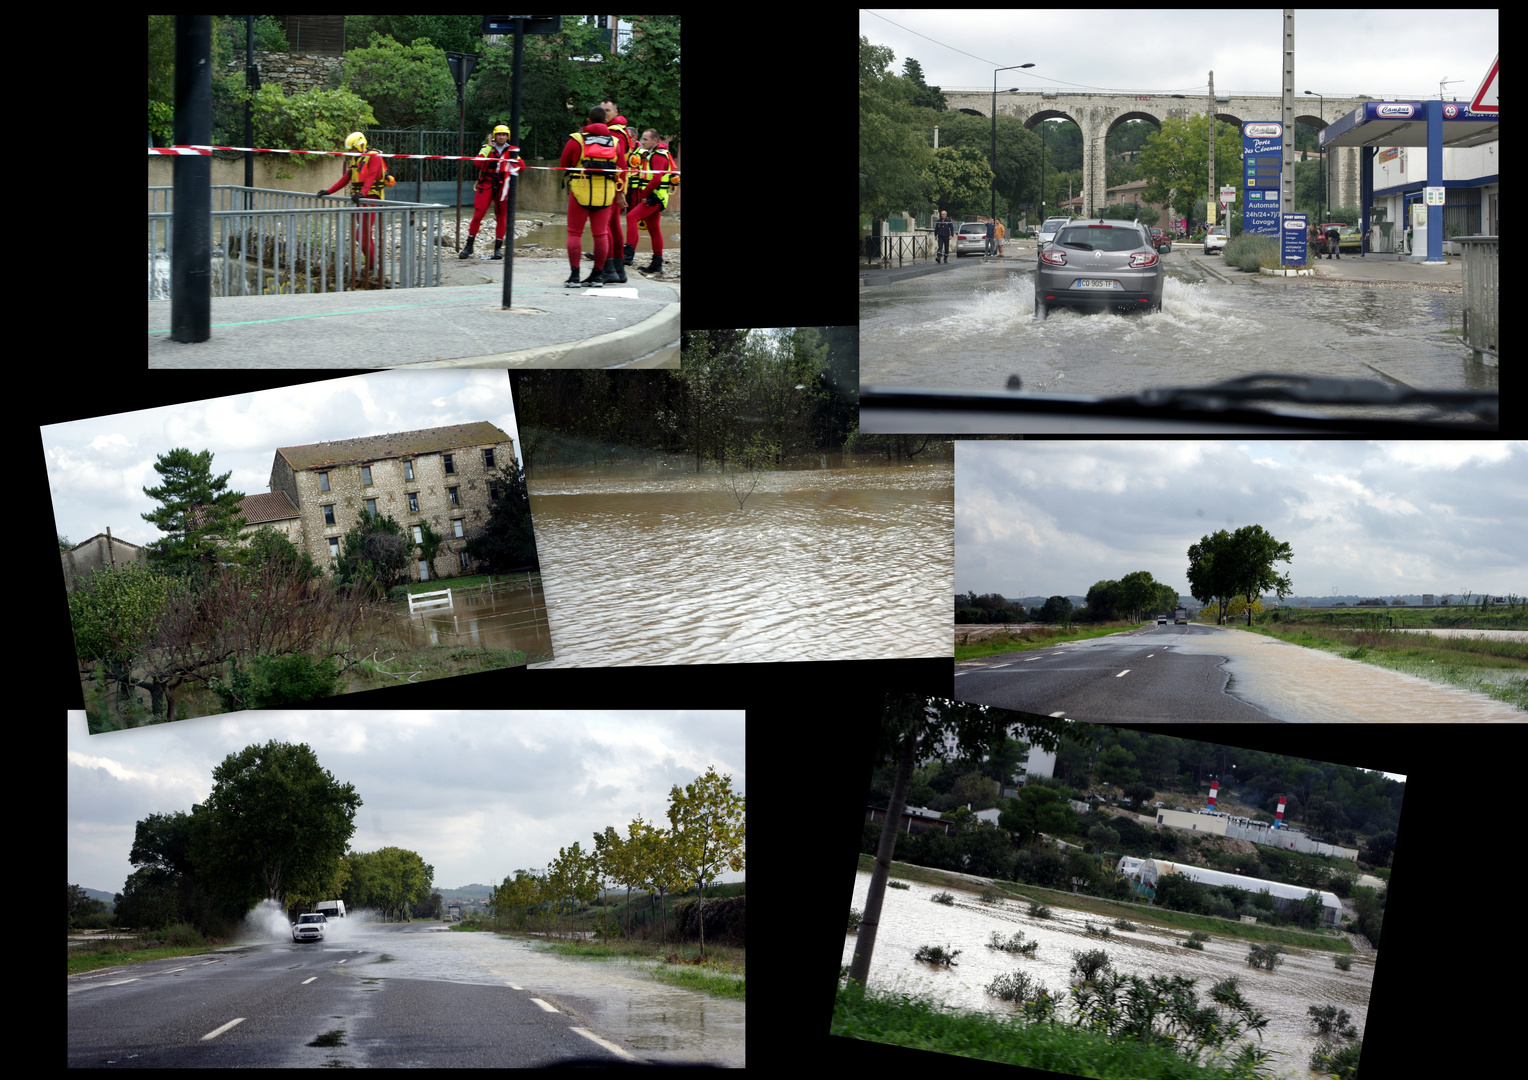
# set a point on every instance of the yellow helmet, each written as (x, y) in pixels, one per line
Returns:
(498, 129)
(356, 141)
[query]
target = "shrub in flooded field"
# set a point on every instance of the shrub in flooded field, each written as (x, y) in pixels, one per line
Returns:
(1032, 997)
(1166, 1011)
(1265, 957)
(935, 955)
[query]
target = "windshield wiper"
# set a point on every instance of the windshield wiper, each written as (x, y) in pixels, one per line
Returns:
(1312, 390)
(1258, 402)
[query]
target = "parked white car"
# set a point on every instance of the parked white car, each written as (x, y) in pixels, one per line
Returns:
(308, 928)
(1215, 239)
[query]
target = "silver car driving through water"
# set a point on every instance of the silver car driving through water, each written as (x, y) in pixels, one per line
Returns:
(1099, 264)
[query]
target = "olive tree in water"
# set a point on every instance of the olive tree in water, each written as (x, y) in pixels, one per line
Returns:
(915, 728)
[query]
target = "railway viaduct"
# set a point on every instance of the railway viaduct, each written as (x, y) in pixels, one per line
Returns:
(1099, 114)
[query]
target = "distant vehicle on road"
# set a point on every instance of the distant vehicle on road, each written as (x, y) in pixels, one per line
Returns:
(1161, 620)
(1180, 616)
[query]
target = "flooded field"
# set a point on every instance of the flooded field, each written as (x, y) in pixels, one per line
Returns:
(833, 558)
(503, 619)
(910, 919)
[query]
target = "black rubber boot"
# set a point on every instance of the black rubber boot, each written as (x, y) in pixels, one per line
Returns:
(615, 272)
(654, 267)
(596, 278)
(572, 282)
(628, 251)
(467, 251)
(496, 254)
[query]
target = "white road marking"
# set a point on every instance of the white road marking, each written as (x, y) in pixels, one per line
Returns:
(1122, 674)
(218, 1031)
(612, 1047)
(543, 1004)
(305, 982)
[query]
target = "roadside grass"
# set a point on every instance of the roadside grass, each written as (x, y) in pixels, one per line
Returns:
(105, 952)
(1498, 669)
(901, 1019)
(1022, 640)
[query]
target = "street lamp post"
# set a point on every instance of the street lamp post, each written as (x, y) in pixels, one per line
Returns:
(993, 212)
(1321, 201)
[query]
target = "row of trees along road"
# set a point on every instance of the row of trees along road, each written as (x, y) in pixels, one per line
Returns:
(1225, 566)
(705, 835)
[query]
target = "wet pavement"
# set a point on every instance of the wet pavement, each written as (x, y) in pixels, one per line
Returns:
(1300, 685)
(910, 919)
(971, 325)
(659, 1022)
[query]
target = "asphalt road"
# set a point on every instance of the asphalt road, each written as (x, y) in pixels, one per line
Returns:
(1137, 676)
(376, 996)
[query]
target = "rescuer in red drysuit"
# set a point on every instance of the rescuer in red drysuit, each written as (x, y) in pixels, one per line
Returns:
(367, 177)
(650, 192)
(491, 189)
(593, 173)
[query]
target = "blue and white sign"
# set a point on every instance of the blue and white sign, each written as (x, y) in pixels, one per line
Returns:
(1262, 160)
(1294, 242)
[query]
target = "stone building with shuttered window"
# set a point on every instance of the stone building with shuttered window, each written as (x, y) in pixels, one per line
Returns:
(446, 476)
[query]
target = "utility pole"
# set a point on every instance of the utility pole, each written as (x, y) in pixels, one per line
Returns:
(1210, 205)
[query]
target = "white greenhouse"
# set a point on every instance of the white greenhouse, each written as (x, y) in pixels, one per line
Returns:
(1148, 871)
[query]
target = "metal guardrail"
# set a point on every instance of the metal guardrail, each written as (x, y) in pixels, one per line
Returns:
(1482, 279)
(267, 241)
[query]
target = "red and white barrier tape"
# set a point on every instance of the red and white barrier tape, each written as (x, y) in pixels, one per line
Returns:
(515, 166)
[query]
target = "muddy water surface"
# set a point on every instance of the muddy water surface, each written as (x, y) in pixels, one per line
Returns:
(831, 559)
(505, 619)
(910, 919)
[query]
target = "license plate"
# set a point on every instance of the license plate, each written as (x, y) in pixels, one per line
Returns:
(1095, 283)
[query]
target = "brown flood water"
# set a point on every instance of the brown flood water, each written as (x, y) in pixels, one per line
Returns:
(910, 919)
(505, 619)
(835, 558)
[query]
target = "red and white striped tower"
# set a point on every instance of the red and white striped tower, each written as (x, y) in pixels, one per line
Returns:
(1278, 818)
(1214, 790)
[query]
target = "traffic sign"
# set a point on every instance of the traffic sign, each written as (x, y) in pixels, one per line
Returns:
(1485, 97)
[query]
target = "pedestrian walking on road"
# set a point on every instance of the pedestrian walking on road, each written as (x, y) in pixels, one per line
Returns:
(944, 228)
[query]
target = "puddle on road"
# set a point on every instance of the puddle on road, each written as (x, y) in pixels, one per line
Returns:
(910, 919)
(661, 1022)
(1300, 685)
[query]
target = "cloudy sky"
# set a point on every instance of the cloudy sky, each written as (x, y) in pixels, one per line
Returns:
(477, 794)
(1377, 518)
(98, 467)
(1339, 52)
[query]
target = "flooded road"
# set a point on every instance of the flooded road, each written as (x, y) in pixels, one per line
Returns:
(1300, 685)
(973, 327)
(659, 1022)
(910, 919)
(835, 558)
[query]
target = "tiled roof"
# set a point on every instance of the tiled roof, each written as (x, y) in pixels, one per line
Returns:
(274, 506)
(397, 445)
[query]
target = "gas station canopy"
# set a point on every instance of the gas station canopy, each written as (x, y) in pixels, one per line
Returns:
(1404, 123)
